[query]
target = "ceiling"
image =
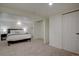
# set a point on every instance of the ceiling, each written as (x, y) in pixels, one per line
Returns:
(41, 9)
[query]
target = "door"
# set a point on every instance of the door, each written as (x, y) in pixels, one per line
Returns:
(69, 30)
(77, 30)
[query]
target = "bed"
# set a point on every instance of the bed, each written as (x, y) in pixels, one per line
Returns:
(13, 37)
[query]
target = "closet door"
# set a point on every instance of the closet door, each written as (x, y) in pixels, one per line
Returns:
(77, 31)
(69, 30)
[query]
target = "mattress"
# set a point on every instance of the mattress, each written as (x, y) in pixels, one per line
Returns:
(18, 37)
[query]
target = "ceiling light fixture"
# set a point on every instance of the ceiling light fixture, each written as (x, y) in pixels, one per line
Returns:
(50, 3)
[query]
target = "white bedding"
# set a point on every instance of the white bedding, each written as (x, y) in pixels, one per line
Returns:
(18, 37)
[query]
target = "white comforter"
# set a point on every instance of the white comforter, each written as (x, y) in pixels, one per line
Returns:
(18, 37)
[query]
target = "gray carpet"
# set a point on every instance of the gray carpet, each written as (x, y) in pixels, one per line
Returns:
(33, 48)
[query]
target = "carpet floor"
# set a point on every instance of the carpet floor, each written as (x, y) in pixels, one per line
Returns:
(33, 48)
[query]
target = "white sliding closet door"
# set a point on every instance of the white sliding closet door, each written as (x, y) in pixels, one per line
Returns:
(69, 32)
(77, 30)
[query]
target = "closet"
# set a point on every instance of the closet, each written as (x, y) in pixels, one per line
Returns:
(70, 34)
(64, 31)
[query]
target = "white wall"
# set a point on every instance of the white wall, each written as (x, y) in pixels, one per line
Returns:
(10, 21)
(17, 15)
(55, 31)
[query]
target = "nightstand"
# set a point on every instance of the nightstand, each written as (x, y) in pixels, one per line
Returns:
(3, 37)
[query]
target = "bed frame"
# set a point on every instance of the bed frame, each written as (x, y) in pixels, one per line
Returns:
(17, 41)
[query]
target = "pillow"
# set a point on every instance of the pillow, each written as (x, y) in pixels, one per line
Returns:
(12, 32)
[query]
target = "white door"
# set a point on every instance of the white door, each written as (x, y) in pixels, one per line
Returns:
(69, 30)
(77, 30)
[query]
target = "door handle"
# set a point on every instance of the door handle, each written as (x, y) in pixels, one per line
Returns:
(77, 33)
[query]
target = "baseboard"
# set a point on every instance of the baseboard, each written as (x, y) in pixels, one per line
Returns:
(71, 52)
(67, 51)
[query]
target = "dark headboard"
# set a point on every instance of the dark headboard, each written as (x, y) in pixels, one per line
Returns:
(13, 29)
